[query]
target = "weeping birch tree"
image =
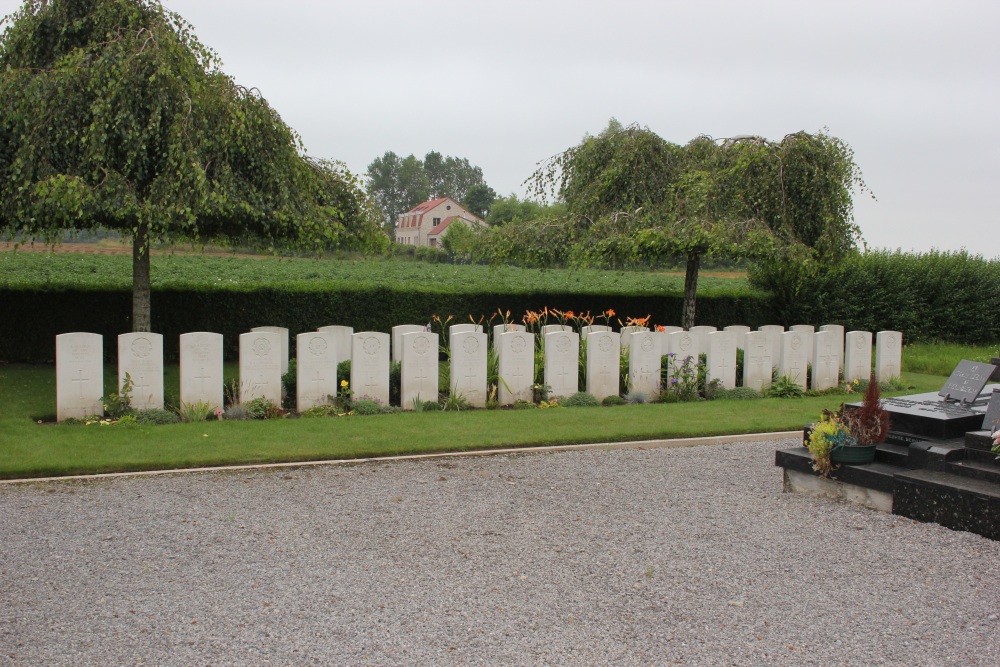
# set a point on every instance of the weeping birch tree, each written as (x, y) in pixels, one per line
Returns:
(116, 117)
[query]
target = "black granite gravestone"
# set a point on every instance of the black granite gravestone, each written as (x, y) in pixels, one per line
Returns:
(930, 416)
(991, 422)
(967, 381)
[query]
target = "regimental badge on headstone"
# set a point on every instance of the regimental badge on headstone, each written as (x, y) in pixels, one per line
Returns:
(991, 422)
(967, 381)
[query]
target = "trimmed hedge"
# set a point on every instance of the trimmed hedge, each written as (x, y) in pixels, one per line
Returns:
(34, 317)
(945, 296)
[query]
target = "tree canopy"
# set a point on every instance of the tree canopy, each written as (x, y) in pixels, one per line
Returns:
(633, 196)
(116, 117)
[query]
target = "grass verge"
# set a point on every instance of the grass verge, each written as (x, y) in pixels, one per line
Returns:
(31, 450)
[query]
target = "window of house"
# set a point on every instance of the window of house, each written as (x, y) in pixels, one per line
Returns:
(437, 221)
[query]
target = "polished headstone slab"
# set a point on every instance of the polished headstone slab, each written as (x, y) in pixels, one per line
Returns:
(991, 421)
(967, 381)
(930, 415)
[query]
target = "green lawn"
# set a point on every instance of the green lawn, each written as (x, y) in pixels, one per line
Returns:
(28, 449)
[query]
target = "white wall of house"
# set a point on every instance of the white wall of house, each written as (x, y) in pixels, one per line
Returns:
(414, 226)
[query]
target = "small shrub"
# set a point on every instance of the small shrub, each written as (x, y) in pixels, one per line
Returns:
(455, 402)
(119, 404)
(236, 412)
(264, 408)
(743, 394)
(367, 407)
(156, 416)
(785, 387)
(127, 420)
(288, 385)
(524, 405)
(195, 412)
(581, 399)
(318, 411)
(636, 397)
(425, 406)
(714, 390)
(613, 400)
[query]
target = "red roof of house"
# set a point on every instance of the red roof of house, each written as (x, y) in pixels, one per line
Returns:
(443, 225)
(427, 205)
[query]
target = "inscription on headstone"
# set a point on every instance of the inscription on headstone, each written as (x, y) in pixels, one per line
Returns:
(757, 364)
(418, 368)
(260, 366)
(316, 369)
(967, 381)
(888, 355)
(79, 375)
(201, 368)
(516, 361)
(603, 363)
(721, 358)
(141, 356)
(283, 337)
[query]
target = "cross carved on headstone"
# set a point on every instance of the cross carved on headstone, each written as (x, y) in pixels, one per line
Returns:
(317, 382)
(81, 381)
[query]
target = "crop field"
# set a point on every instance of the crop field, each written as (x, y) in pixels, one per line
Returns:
(35, 270)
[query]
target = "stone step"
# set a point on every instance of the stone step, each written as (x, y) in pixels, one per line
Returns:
(892, 454)
(877, 476)
(955, 501)
(986, 471)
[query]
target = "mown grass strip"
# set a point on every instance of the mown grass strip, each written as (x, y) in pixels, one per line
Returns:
(31, 450)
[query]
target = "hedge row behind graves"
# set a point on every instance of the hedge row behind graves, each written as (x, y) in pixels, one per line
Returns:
(943, 296)
(33, 317)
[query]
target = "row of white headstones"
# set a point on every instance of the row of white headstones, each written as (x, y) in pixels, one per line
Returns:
(263, 359)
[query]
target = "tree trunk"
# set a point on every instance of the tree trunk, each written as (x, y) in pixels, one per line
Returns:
(141, 321)
(690, 290)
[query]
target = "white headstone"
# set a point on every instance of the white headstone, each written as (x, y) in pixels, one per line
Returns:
(463, 328)
(506, 328)
(794, 361)
(826, 361)
(315, 369)
(283, 333)
(587, 330)
(343, 337)
(516, 360)
(701, 333)
(774, 337)
(720, 359)
(670, 329)
(418, 368)
(857, 355)
(141, 356)
(562, 363)
(370, 366)
(468, 367)
(643, 362)
(625, 331)
(79, 375)
(888, 355)
(201, 368)
(808, 332)
(740, 332)
(551, 328)
(604, 358)
(260, 366)
(398, 332)
(661, 336)
(838, 331)
(757, 363)
(680, 346)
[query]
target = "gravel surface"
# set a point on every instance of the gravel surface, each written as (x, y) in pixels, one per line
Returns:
(619, 557)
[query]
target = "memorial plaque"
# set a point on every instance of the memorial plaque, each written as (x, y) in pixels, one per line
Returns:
(991, 422)
(929, 416)
(967, 381)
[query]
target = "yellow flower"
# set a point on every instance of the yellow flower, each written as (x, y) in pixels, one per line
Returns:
(343, 383)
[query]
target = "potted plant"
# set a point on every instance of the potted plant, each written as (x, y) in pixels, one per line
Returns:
(851, 435)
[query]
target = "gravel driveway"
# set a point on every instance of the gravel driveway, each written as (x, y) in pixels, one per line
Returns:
(619, 557)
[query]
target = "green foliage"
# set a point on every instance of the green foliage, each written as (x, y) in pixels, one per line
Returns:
(425, 406)
(524, 405)
(118, 404)
(116, 117)
(195, 412)
(289, 384)
(366, 407)
(683, 378)
(455, 402)
(581, 399)
(636, 397)
(785, 387)
(823, 437)
(743, 394)
(943, 296)
(264, 408)
(398, 184)
(613, 400)
(156, 416)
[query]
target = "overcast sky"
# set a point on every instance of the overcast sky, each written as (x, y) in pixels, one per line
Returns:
(913, 86)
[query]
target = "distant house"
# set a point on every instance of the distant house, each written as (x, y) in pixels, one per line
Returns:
(426, 224)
